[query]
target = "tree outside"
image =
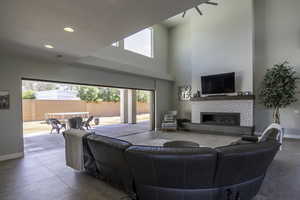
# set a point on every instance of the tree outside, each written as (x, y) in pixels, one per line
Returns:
(29, 94)
(142, 96)
(88, 94)
(109, 94)
(95, 94)
(85, 93)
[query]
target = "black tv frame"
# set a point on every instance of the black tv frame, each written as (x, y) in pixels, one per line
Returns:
(224, 75)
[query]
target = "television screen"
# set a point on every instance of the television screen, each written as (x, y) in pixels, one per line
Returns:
(218, 84)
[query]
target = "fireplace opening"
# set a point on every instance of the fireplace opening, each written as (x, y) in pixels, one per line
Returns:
(212, 118)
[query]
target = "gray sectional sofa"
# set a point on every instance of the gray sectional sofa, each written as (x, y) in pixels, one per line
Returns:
(233, 172)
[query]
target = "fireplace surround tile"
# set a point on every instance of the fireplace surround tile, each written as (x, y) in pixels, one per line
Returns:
(244, 107)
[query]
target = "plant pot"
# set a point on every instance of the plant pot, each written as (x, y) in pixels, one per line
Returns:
(96, 121)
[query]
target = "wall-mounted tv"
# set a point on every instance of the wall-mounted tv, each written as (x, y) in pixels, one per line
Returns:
(218, 84)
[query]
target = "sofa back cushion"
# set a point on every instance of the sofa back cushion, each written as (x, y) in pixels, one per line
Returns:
(240, 163)
(184, 168)
(109, 155)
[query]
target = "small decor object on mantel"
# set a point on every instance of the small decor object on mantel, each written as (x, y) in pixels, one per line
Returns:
(240, 93)
(4, 100)
(247, 93)
(185, 92)
(197, 94)
(279, 88)
(96, 121)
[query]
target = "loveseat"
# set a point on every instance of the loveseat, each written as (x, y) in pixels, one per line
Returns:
(233, 172)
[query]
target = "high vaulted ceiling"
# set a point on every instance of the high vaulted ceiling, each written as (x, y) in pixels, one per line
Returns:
(179, 19)
(29, 24)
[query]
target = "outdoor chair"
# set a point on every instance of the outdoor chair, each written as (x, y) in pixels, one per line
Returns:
(75, 123)
(86, 123)
(56, 125)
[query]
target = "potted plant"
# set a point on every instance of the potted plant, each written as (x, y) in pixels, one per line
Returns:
(279, 88)
(97, 121)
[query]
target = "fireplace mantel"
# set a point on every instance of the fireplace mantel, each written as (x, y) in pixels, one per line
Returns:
(223, 98)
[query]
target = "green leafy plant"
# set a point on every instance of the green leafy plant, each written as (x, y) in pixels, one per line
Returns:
(88, 94)
(29, 94)
(94, 94)
(109, 94)
(278, 88)
(142, 96)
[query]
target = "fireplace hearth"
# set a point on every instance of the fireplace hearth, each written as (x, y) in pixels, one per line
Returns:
(213, 118)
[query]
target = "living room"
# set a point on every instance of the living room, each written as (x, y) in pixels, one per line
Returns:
(190, 42)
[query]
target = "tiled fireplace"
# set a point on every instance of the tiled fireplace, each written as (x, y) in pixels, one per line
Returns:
(216, 118)
(223, 112)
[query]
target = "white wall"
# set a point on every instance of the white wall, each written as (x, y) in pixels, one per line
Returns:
(180, 63)
(163, 94)
(222, 42)
(127, 61)
(14, 68)
(277, 38)
(219, 41)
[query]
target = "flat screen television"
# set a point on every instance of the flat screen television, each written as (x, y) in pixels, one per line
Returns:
(218, 84)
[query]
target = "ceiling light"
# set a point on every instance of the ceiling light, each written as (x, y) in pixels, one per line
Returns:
(69, 29)
(48, 46)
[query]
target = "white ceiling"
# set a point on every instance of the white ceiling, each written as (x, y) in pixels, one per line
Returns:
(27, 25)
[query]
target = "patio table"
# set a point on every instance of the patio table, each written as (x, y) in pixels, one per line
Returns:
(67, 115)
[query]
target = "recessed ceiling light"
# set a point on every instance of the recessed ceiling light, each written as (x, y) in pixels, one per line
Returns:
(69, 29)
(49, 46)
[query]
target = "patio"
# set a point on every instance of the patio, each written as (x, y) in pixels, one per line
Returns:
(34, 128)
(45, 142)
